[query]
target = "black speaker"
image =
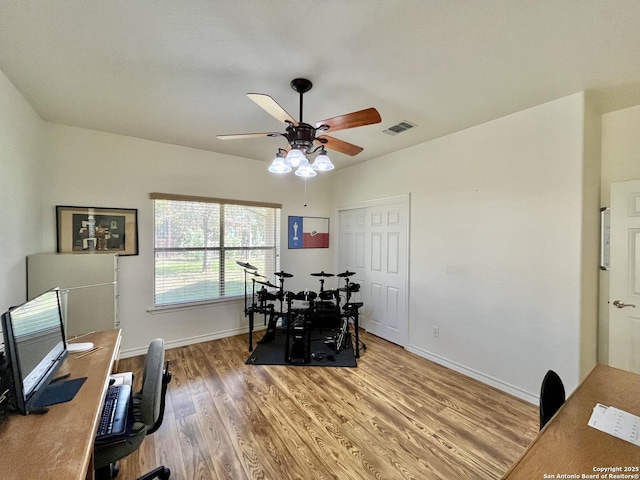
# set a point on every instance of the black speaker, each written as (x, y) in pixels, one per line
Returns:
(300, 348)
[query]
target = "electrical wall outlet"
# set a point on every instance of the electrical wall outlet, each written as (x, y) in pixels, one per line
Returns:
(436, 331)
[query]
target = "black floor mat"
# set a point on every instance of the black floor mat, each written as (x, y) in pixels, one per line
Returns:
(322, 354)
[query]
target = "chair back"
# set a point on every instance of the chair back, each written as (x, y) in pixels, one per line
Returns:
(154, 380)
(552, 396)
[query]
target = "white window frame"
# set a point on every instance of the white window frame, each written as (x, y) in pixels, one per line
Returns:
(221, 249)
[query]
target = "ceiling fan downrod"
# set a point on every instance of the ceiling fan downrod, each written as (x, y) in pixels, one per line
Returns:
(302, 86)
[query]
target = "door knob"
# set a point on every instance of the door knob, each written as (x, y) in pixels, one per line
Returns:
(621, 304)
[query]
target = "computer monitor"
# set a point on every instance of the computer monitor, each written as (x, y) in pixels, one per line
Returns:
(35, 346)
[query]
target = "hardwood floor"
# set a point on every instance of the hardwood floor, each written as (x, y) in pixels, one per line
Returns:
(395, 416)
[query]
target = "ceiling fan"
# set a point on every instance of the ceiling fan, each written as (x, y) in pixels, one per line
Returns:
(301, 136)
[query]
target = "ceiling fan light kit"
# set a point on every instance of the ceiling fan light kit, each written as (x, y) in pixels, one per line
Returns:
(301, 136)
(305, 170)
(322, 162)
(279, 165)
(295, 157)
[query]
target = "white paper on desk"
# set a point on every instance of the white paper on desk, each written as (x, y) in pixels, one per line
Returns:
(616, 422)
(598, 418)
(124, 378)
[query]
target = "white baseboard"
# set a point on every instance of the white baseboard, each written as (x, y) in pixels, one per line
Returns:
(134, 352)
(469, 372)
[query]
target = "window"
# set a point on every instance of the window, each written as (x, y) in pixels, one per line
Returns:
(199, 242)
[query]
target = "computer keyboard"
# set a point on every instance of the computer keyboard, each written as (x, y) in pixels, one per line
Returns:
(114, 412)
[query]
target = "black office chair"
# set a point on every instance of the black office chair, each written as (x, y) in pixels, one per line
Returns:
(148, 411)
(552, 397)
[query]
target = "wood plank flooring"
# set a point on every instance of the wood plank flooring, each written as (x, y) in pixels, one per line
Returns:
(395, 416)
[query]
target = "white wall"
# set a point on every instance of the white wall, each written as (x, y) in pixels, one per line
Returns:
(496, 232)
(620, 148)
(89, 168)
(20, 192)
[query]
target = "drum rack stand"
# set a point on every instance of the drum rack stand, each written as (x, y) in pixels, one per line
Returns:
(302, 317)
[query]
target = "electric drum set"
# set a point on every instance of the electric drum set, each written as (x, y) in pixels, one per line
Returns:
(330, 309)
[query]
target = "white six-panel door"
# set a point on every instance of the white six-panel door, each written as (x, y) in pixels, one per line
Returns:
(624, 282)
(374, 244)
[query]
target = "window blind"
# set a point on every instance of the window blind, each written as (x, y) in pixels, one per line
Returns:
(199, 242)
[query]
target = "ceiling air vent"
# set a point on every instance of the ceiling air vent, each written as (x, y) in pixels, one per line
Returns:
(399, 128)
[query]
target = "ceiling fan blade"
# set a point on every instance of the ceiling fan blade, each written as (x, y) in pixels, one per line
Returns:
(360, 118)
(339, 145)
(271, 107)
(235, 136)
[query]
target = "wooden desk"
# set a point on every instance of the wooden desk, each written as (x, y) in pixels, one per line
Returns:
(567, 445)
(59, 444)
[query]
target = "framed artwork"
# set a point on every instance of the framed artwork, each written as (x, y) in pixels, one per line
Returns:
(97, 230)
(308, 232)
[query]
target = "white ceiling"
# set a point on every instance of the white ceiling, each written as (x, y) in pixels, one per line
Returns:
(178, 71)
